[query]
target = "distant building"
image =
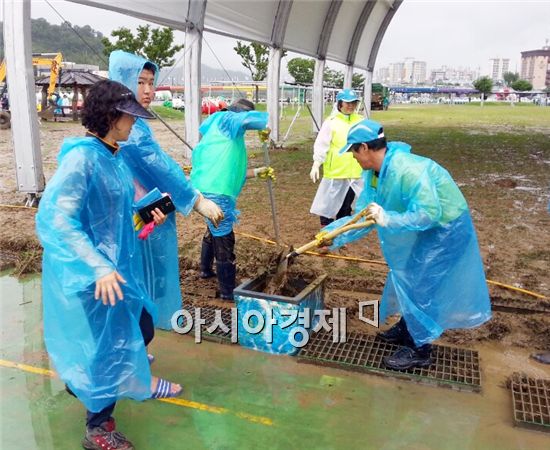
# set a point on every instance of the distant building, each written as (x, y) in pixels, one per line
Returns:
(463, 76)
(498, 67)
(382, 75)
(535, 67)
(418, 72)
(408, 71)
(78, 66)
(397, 72)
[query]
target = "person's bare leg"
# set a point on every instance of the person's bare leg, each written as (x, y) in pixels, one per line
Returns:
(154, 381)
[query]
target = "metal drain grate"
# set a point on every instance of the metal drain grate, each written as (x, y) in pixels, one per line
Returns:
(208, 313)
(531, 401)
(457, 368)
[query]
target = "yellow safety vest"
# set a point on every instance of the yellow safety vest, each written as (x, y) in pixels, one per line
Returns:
(341, 166)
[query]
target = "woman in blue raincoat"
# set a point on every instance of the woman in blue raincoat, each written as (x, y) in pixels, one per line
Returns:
(98, 316)
(436, 279)
(153, 168)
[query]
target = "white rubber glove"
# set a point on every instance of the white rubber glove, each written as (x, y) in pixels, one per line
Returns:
(264, 173)
(376, 212)
(208, 209)
(314, 174)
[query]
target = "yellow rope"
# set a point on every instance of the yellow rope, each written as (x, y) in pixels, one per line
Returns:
(346, 258)
(383, 263)
(513, 288)
(18, 207)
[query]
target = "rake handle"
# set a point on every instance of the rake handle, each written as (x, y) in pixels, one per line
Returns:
(332, 234)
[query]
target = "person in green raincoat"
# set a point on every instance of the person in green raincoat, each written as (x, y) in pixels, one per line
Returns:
(219, 171)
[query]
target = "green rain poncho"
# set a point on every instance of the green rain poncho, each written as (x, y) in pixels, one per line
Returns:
(220, 161)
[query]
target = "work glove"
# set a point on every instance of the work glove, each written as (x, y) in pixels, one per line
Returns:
(208, 209)
(322, 242)
(314, 174)
(265, 173)
(376, 212)
(264, 134)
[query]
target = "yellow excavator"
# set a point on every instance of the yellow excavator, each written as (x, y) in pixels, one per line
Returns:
(53, 60)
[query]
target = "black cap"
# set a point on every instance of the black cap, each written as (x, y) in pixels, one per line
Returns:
(129, 105)
(241, 105)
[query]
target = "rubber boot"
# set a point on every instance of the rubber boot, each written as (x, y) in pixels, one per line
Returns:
(207, 257)
(226, 272)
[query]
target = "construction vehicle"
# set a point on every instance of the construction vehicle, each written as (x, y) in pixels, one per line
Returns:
(380, 97)
(53, 60)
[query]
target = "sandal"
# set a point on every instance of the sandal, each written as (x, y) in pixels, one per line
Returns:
(164, 390)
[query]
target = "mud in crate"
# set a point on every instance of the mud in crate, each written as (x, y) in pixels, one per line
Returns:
(277, 323)
(452, 367)
(531, 401)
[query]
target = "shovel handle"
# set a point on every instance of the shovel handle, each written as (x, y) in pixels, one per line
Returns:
(332, 234)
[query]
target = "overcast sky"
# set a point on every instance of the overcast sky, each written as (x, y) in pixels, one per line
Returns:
(455, 33)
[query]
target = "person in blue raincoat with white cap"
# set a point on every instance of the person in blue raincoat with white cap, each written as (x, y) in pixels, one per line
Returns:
(436, 279)
(154, 169)
(341, 181)
(98, 315)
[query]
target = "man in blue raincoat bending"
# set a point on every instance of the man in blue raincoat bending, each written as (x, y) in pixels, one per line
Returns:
(436, 279)
(153, 168)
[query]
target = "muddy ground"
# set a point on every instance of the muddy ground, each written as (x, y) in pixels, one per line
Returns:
(504, 176)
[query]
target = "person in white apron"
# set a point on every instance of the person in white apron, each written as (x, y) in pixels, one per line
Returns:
(341, 181)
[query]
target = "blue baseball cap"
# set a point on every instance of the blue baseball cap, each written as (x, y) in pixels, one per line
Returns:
(364, 131)
(347, 95)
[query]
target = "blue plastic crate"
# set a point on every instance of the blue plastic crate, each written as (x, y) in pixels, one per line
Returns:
(282, 336)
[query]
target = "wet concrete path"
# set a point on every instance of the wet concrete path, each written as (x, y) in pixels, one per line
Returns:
(241, 399)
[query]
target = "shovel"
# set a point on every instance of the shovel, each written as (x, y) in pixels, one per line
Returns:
(271, 196)
(322, 238)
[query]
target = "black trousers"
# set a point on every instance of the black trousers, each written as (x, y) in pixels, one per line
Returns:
(95, 419)
(221, 248)
(345, 209)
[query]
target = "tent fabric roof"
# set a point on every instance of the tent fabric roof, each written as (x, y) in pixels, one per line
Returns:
(344, 31)
(70, 77)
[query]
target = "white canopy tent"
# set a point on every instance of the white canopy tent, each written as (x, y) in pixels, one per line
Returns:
(343, 31)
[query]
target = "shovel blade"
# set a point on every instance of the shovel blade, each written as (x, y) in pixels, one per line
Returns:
(278, 280)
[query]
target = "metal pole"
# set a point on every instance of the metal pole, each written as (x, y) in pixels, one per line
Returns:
(311, 114)
(171, 129)
(271, 196)
(292, 123)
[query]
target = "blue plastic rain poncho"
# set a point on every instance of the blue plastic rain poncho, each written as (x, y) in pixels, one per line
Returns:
(84, 223)
(153, 168)
(436, 279)
(220, 161)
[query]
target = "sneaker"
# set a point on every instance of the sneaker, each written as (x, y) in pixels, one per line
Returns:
(543, 358)
(105, 437)
(407, 358)
(397, 334)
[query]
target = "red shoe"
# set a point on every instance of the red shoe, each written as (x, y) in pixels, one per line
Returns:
(106, 437)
